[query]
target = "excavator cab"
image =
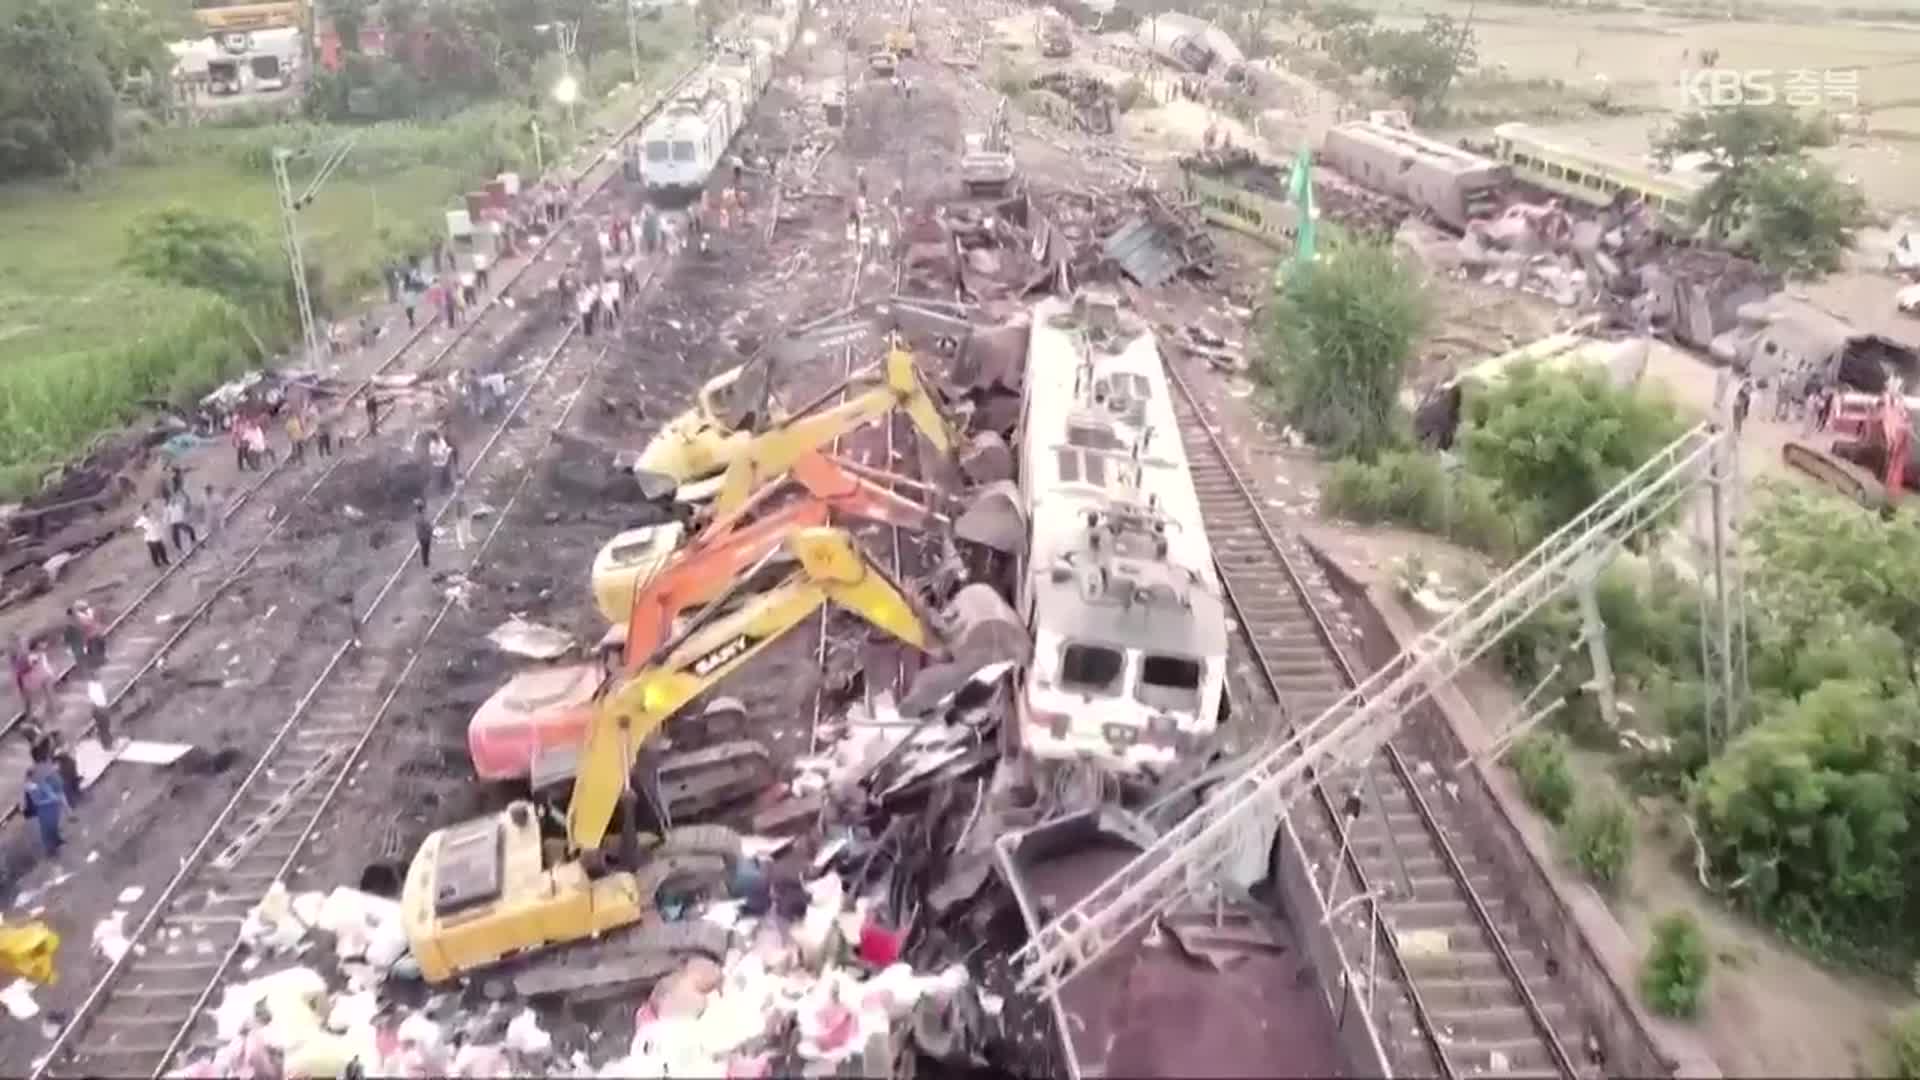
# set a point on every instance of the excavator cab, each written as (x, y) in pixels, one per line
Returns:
(704, 439)
(486, 889)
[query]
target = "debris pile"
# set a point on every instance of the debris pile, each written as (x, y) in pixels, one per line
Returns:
(814, 978)
(1074, 100)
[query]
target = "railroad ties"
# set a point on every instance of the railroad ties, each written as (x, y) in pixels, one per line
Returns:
(1454, 994)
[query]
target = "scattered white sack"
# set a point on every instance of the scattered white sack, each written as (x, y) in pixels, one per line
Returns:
(307, 907)
(353, 1010)
(419, 1032)
(271, 925)
(480, 1062)
(386, 944)
(826, 897)
(18, 999)
(110, 937)
(130, 895)
(356, 920)
(525, 1036)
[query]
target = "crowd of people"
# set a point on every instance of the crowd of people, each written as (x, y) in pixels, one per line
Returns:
(174, 521)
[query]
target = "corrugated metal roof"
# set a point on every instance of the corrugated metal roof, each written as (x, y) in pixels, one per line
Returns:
(1144, 252)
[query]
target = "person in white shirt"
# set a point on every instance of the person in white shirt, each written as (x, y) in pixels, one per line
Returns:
(480, 275)
(610, 299)
(155, 534)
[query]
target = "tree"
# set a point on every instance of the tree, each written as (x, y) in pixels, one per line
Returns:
(1420, 65)
(349, 19)
(1800, 219)
(190, 248)
(134, 49)
(1559, 440)
(1337, 341)
(1816, 561)
(1766, 195)
(1807, 816)
(56, 95)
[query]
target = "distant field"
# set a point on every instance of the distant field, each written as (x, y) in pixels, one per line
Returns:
(1638, 57)
(85, 343)
(61, 289)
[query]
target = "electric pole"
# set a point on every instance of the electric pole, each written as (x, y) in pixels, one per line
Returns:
(633, 37)
(290, 207)
(569, 35)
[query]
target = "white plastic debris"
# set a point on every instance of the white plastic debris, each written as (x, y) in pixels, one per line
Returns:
(530, 639)
(110, 937)
(18, 999)
(130, 895)
(525, 1036)
(353, 1010)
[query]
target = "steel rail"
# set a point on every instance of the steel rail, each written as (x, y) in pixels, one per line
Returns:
(1436, 1039)
(400, 351)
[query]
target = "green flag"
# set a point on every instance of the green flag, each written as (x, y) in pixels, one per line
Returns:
(1300, 193)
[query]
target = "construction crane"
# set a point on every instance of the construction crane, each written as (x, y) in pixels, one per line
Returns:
(1244, 811)
(484, 890)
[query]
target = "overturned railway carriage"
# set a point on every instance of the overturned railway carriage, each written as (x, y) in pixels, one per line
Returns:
(1591, 176)
(682, 146)
(1244, 194)
(1129, 625)
(1453, 185)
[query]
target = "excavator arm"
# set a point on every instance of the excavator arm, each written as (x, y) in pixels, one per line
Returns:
(699, 574)
(833, 570)
(775, 451)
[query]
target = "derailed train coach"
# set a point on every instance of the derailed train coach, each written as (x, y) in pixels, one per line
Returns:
(1128, 618)
(680, 148)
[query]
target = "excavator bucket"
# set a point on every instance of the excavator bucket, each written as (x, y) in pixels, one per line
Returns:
(27, 950)
(994, 519)
(980, 632)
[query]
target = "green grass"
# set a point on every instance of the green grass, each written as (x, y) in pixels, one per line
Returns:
(86, 345)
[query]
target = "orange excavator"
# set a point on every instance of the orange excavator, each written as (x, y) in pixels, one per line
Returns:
(1874, 433)
(546, 712)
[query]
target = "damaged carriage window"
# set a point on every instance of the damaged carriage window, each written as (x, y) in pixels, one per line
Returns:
(1094, 437)
(1170, 682)
(1091, 669)
(683, 151)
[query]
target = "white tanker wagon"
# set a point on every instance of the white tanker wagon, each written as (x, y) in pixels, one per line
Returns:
(1118, 588)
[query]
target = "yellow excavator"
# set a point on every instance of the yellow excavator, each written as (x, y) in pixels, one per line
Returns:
(488, 889)
(747, 462)
(738, 404)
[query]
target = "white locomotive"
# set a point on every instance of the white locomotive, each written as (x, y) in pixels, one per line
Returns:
(680, 148)
(1129, 624)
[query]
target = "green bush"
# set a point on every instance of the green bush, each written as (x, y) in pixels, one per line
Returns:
(1411, 489)
(1599, 837)
(1673, 978)
(1127, 95)
(1540, 761)
(1904, 1044)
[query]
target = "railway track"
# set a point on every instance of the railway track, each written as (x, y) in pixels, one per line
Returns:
(136, 647)
(1455, 994)
(144, 1012)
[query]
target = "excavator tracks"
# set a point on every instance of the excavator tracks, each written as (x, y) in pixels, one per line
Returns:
(1455, 993)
